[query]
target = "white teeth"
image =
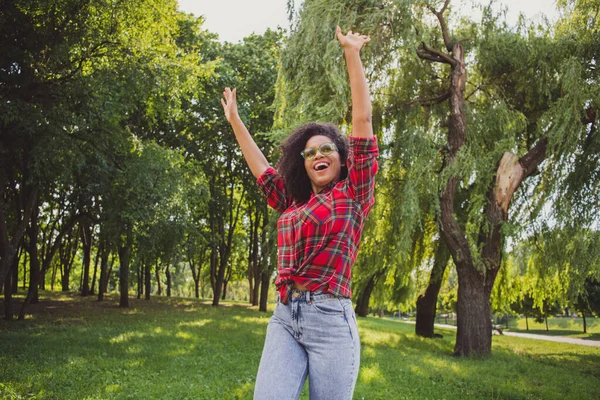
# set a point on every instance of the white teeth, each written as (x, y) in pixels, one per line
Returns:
(321, 166)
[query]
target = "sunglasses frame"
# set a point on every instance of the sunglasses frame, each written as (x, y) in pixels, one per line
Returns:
(318, 149)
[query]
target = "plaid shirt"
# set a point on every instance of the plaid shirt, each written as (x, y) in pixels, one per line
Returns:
(318, 240)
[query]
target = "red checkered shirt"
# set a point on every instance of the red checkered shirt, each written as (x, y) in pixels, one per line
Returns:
(318, 240)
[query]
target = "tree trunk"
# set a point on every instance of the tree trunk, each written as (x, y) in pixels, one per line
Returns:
(67, 252)
(265, 281)
(251, 266)
(219, 289)
(124, 257)
(25, 262)
(148, 281)
(214, 262)
(103, 281)
(42, 279)
(86, 241)
(9, 245)
(168, 276)
(8, 288)
(66, 277)
(53, 276)
(95, 271)
(362, 303)
(224, 292)
(140, 279)
(427, 303)
(526, 323)
(15, 270)
(157, 276)
(584, 322)
(34, 263)
(474, 326)
(546, 320)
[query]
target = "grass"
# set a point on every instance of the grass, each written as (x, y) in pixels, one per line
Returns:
(170, 348)
(571, 327)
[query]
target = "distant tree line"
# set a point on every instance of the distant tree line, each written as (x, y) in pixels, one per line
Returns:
(115, 160)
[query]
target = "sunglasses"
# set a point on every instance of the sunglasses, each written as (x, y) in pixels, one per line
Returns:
(324, 148)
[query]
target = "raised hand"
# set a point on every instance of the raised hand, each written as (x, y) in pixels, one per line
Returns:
(229, 104)
(351, 40)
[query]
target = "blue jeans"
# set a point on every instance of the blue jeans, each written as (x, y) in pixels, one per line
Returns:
(313, 335)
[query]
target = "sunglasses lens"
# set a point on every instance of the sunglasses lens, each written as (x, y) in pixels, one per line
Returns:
(309, 153)
(327, 148)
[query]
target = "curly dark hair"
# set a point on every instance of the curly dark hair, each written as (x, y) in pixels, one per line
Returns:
(291, 164)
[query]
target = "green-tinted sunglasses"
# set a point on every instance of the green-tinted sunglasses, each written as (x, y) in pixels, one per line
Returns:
(324, 148)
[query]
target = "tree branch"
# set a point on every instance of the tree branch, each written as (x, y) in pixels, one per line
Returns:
(433, 100)
(440, 17)
(534, 157)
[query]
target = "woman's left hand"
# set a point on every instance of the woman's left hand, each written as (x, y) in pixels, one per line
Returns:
(351, 40)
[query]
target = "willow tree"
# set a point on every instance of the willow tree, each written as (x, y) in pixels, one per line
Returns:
(511, 132)
(469, 122)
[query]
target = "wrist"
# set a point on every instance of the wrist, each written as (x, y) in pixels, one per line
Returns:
(234, 118)
(351, 51)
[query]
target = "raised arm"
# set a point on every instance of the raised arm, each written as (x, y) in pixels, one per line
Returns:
(254, 157)
(361, 100)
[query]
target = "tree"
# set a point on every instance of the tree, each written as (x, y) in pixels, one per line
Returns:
(512, 134)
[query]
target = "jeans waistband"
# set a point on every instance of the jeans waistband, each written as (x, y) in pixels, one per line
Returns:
(308, 297)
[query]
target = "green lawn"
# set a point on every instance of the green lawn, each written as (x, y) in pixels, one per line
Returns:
(74, 348)
(572, 327)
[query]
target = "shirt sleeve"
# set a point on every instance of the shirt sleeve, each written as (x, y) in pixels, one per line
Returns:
(362, 167)
(273, 186)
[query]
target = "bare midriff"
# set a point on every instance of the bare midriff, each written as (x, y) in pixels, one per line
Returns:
(298, 286)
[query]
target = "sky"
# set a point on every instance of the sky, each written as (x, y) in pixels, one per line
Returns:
(233, 20)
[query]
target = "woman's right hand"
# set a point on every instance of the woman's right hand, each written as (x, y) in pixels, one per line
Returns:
(229, 104)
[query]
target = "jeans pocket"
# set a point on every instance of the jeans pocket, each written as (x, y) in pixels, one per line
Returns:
(329, 307)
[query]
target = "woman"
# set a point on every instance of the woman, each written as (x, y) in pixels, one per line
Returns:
(324, 189)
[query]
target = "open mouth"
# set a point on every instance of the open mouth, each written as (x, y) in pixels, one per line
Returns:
(321, 166)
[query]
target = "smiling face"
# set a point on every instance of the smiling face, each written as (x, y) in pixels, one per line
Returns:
(322, 170)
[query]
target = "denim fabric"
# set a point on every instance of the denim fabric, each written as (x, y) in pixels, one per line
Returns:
(314, 336)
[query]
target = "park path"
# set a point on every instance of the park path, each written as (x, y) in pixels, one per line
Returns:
(562, 339)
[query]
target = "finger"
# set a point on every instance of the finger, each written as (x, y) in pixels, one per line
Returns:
(223, 104)
(234, 95)
(338, 32)
(349, 33)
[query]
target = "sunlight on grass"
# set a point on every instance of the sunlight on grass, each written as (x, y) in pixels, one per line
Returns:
(256, 320)
(368, 352)
(370, 337)
(245, 391)
(371, 375)
(178, 352)
(183, 335)
(134, 349)
(114, 388)
(196, 324)
(135, 363)
(125, 337)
